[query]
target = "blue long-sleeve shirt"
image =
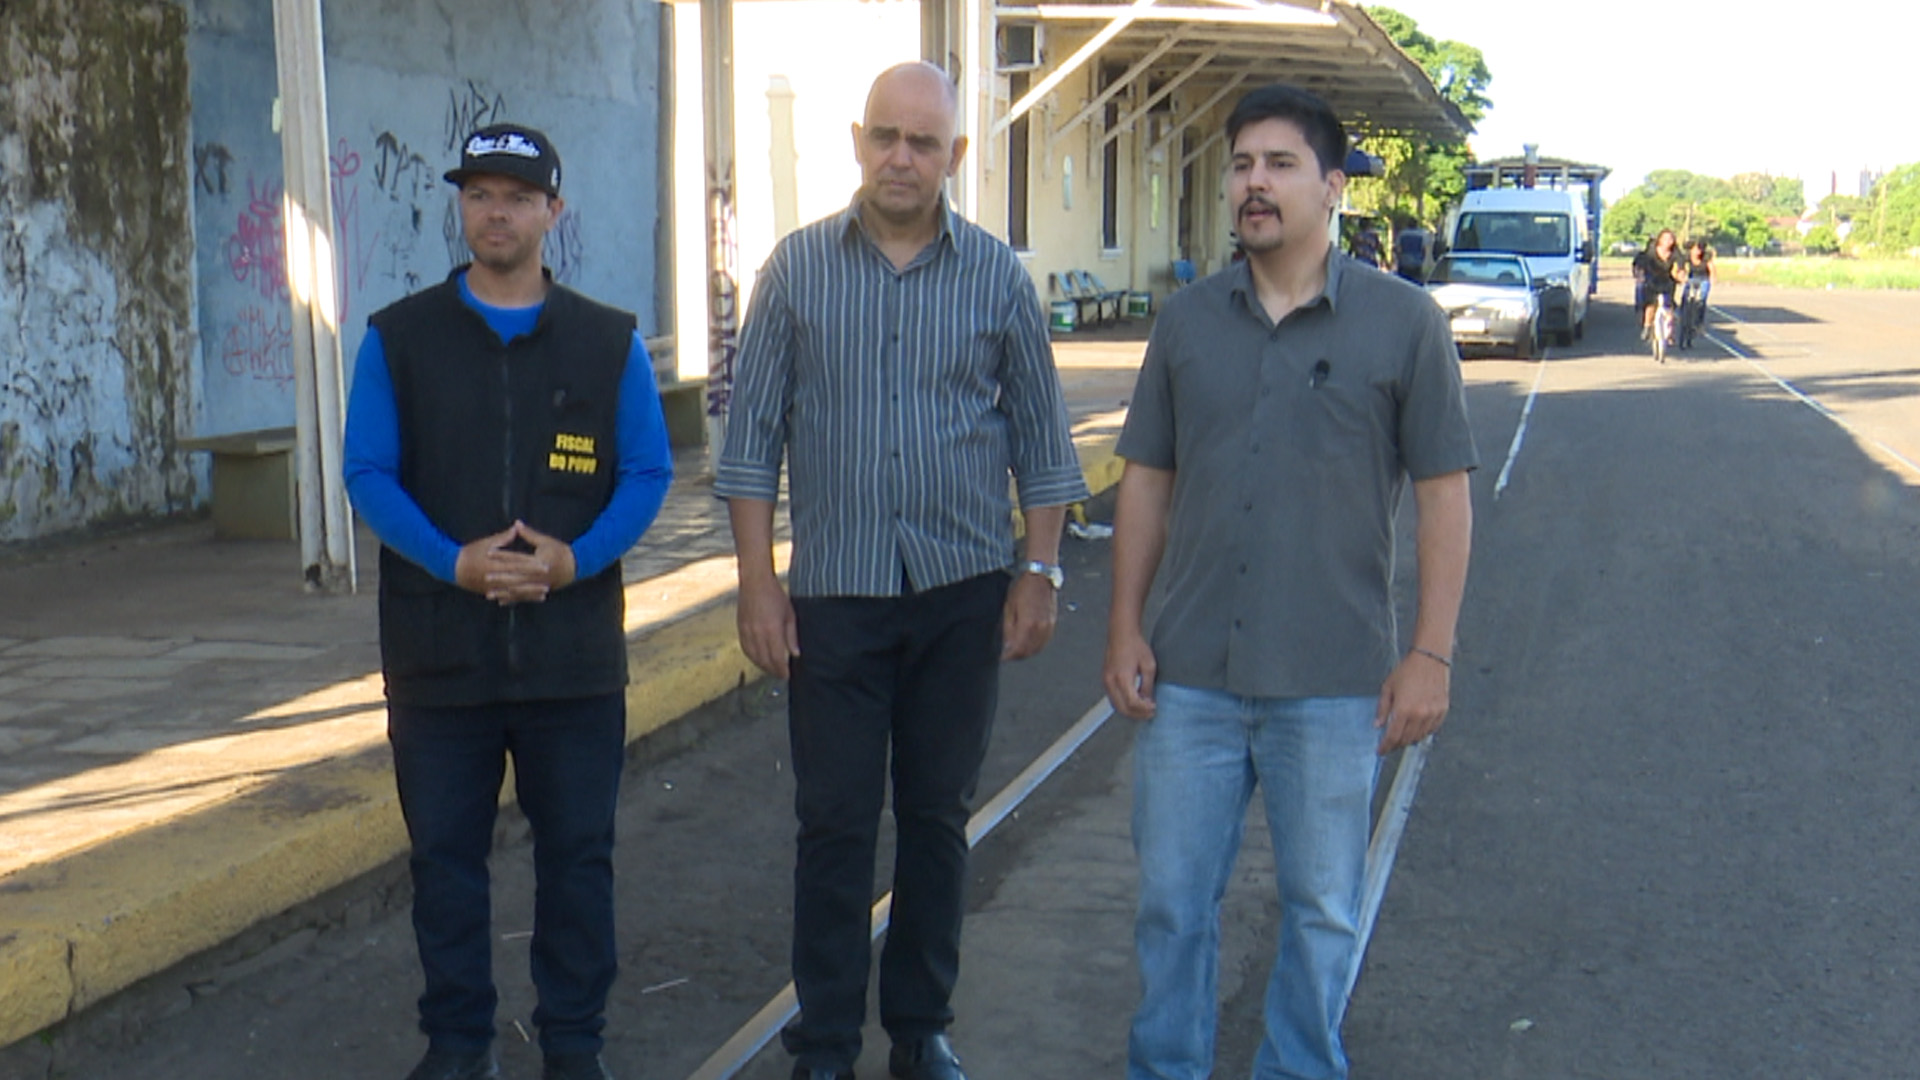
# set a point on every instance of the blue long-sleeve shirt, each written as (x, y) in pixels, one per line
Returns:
(642, 472)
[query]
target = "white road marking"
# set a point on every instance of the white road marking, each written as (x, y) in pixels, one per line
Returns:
(1806, 399)
(1520, 433)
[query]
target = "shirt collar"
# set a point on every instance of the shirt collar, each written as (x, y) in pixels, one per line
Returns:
(850, 225)
(1241, 283)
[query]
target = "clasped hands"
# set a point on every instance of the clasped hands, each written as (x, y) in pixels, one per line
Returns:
(517, 565)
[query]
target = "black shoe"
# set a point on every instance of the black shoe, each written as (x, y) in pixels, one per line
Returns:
(801, 1072)
(456, 1065)
(575, 1067)
(929, 1057)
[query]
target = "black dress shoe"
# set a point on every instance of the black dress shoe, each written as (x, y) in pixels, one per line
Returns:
(929, 1057)
(575, 1067)
(456, 1065)
(801, 1072)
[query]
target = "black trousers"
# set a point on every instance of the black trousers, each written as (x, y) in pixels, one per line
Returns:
(450, 763)
(908, 682)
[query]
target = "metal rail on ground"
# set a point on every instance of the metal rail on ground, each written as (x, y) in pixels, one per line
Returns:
(745, 1044)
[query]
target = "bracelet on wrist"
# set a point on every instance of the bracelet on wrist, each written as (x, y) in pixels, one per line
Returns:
(1443, 661)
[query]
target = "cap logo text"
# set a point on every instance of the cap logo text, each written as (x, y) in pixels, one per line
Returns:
(511, 142)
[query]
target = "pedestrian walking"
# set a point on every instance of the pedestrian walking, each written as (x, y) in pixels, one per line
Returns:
(504, 439)
(1281, 408)
(896, 357)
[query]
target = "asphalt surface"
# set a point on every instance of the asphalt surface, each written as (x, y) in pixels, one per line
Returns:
(1667, 832)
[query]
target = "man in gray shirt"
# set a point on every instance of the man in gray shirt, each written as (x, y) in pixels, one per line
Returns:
(1282, 405)
(897, 357)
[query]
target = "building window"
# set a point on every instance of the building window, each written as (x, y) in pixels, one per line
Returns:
(1110, 177)
(1019, 142)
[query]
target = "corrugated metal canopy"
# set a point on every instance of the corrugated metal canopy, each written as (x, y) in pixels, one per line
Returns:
(1333, 49)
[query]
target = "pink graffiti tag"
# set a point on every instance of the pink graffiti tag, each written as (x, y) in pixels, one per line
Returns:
(257, 250)
(258, 347)
(355, 256)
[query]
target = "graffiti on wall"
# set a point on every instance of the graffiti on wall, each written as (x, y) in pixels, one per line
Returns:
(259, 345)
(470, 108)
(256, 250)
(210, 161)
(723, 291)
(566, 248)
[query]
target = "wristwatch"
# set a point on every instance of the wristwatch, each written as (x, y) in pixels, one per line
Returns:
(1055, 576)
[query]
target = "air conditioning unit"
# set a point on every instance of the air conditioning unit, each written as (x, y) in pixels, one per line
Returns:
(1018, 46)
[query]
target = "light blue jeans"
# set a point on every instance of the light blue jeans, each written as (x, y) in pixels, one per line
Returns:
(1195, 766)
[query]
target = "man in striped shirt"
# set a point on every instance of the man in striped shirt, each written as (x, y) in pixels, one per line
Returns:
(896, 356)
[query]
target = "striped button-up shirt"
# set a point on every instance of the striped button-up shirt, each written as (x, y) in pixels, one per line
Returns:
(902, 400)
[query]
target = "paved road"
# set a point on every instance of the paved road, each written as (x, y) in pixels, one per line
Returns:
(1670, 833)
(1667, 834)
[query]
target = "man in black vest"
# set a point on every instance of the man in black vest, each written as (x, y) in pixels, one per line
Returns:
(504, 439)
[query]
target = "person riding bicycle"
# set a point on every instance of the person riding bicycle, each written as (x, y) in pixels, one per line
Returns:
(1660, 268)
(1700, 276)
(1700, 272)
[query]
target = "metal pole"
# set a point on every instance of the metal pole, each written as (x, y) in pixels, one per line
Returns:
(325, 522)
(723, 247)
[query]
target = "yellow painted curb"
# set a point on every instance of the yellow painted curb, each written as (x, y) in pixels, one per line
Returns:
(34, 987)
(83, 927)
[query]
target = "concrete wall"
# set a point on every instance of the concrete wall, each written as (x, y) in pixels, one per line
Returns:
(406, 83)
(96, 345)
(141, 291)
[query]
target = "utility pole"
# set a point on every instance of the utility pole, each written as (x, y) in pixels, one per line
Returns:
(325, 518)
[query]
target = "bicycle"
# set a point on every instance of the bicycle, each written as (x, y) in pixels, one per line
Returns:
(1662, 336)
(1693, 314)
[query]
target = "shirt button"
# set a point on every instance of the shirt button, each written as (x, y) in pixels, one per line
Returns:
(1243, 568)
(1248, 506)
(1256, 448)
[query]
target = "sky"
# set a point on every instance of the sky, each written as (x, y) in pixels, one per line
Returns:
(1716, 87)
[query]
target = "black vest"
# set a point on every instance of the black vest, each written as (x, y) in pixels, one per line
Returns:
(490, 434)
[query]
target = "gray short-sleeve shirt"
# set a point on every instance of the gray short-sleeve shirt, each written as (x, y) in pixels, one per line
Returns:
(1291, 446)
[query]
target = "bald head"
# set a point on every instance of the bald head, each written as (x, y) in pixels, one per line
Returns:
(919, 82)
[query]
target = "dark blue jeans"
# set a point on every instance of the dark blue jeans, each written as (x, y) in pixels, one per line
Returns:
(450, 763)
(917, 674)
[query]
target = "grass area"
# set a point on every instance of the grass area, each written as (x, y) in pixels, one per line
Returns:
(1821, 272)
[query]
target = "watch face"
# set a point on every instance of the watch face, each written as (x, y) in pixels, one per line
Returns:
(1055, 576)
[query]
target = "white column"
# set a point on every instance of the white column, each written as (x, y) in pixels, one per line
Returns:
(325, 519)
(723, 246)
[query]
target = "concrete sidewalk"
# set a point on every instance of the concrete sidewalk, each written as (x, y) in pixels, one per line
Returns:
(190, 742)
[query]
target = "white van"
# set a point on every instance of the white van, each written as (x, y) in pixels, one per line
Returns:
(1549, 228)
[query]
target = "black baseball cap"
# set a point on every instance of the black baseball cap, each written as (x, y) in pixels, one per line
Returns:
(510, 150)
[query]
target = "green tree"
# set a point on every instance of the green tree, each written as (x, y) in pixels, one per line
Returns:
(1845, 207)
(1423, 176)
(1725, 213)
(1779, 194)
(1890, 223)
(1821, 240)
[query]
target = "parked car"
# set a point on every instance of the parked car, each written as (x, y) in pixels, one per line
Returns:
(1551, 229)
(1490, 299)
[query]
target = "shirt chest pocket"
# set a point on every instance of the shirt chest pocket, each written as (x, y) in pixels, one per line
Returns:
(1335, 418)
(575, 448)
